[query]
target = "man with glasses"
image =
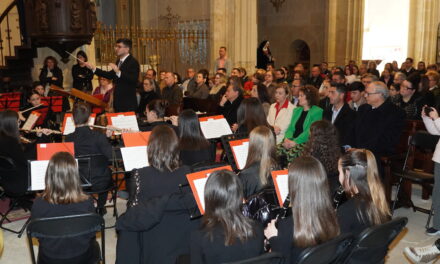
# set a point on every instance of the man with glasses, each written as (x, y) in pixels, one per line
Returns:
(125, 75)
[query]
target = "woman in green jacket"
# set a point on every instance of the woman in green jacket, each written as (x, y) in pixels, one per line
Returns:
(297, 133)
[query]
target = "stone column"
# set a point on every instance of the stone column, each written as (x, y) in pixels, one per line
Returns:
(424, 18)
(234, 24)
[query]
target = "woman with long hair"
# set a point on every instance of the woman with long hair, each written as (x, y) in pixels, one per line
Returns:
(50, 74)
(260, 91)
(193, 145)
(219, 88)
(313, 220)
(260, 162)
(250, 114)
(226, 235)
(147, 95)
(367, 205)
(63, 196)
(324, 146)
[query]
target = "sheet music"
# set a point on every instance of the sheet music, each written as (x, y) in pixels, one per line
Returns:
(127, 122)
(283, 185)
(200, 187)
(38, 174)
(30, 122)
(215, 128)
(134, 157)
(240, 154)
(70, 125)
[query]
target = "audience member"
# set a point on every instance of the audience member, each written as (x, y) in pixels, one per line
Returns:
(223, 61)
(280, 76)
(315, 77)
(105, 89)
(297, 85)
(357, 94)
(189, 83)
(151, 75)
(259, 91)
(231, 100)
(280, 112)
(432, 97)
(219, 88)
(372, 69)
(407, 68)
(147, 95)
(82, 76)
(386, 77)
(409, 100)
(201, 91)
(171, 92)
(50, 74)
(250, 114)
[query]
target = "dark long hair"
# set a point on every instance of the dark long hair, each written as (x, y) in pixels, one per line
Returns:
(163, 149)
(9, 125)
(158, 106)
(360, 172)
(250, 114)
(190, 133)
(324, 145)
(313, 214)
(263, 95)
(223, 200)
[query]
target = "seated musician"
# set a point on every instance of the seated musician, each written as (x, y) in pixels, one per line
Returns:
(34, 100)
(155, 113)
(106, 89)
(89, 142)
(37, 86)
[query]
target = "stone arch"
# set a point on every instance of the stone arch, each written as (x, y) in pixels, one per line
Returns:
(300, 53)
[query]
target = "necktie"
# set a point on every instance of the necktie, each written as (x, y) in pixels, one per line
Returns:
(120, 63)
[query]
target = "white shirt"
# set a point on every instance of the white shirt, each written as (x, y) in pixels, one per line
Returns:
(120, 63)
(335, 113)
(433, 127)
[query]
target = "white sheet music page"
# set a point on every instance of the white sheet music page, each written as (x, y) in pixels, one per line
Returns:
(134, 157)
(200, 187)
(30, 122)
(241, 153)
(38, 174)
(283, 186)
(70, 125)
(215, 128)
(127, 122)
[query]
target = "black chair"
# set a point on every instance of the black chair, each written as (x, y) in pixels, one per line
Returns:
(371, 246)
(228, 150)
(327, 253)
(420, 142)
(268, 258)
(9, 169)
(68, 227)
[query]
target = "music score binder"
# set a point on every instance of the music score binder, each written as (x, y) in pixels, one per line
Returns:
(281, 182)
(69, 125)
(136, 139)
(47, 150)
(125, 120)
(32, 119)
(240, 149)
(214, 126)
(197, 182)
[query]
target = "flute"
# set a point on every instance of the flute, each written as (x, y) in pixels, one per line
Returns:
(40, 131)
(29, 109)
(108, 128)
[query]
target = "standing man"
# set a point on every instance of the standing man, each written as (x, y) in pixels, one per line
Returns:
(222, 61)
(125, 75)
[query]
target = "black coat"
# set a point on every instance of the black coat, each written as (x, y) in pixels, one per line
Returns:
(315, 81)
(124, 95)
(82, 78)
(251, 180)
(56, 72)
(203, 250)
(146, 97)
(378, 130)
(229, 110)
(283, 243)
(344, 122)
(352, 216)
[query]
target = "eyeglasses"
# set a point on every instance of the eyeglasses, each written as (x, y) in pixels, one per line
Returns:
(368, 94)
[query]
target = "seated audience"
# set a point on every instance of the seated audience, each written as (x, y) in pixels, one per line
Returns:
(280, 112)
(171, 91)
(399, 77)
(201, 90)
(379, 123)
(339, 113)
(260, 91)
(372, 69)
(313, 220)
(105, 88)
(407, 67)
(89, 142)
(303, 116)
(324, 146)
(63, 196)
(367, 205)
(155, 113)
(250, 114)
(315, 77)
(270, 85)
(394, 93)
(147, 95)
(189, 83)
(297, 85)
(231, 100)
(219, 88)
(368, 78)
(193, 145)
(357, 95)
(409, 100)
(151, 75)
(225, 235)
(280, 76)
(386, 77)
(432, 97)
(261, 161)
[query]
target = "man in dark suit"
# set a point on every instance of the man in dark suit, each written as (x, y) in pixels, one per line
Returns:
(171, 92)
(315, 79)
(125, 76)
(379, 123)
(231, 101)
(89, 142)
(339, 113)
(409, 69)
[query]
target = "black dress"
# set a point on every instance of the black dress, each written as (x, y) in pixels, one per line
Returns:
(82, 78)
(352, 217)
(203, 250)
(64, 248)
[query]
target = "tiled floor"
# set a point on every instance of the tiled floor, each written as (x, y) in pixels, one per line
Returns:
(17, 251)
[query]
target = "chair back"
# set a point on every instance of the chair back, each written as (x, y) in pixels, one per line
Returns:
(371, 246)
(7, 167)
(66, 227)
(328, 252)
(424, 140)
(268, 258)
(93, 166)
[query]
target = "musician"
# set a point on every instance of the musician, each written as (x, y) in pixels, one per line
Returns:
(155, 113)
(37, 86)
(62, 197)
(50, 74)
(82, 76)
(34, 100)
(89, 142)
(125, 74)
(226, 235)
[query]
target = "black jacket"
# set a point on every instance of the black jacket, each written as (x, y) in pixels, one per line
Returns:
(124, 95)
(191, 157)
(283, 243)
(315, 81)
(344, 122)
(352, 216)
(56, 72)
(378, 130)
(172, 94)
(82, 78)
(229, 110)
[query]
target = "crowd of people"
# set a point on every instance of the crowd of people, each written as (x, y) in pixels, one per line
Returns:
(329, 128)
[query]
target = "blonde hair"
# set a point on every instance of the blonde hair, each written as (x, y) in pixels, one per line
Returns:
(262, 150)
(63, 185)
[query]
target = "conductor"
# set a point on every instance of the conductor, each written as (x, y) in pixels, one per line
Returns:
(125, 74)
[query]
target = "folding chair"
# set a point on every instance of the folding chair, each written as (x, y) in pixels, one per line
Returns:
(268, 258)
(327, 253)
